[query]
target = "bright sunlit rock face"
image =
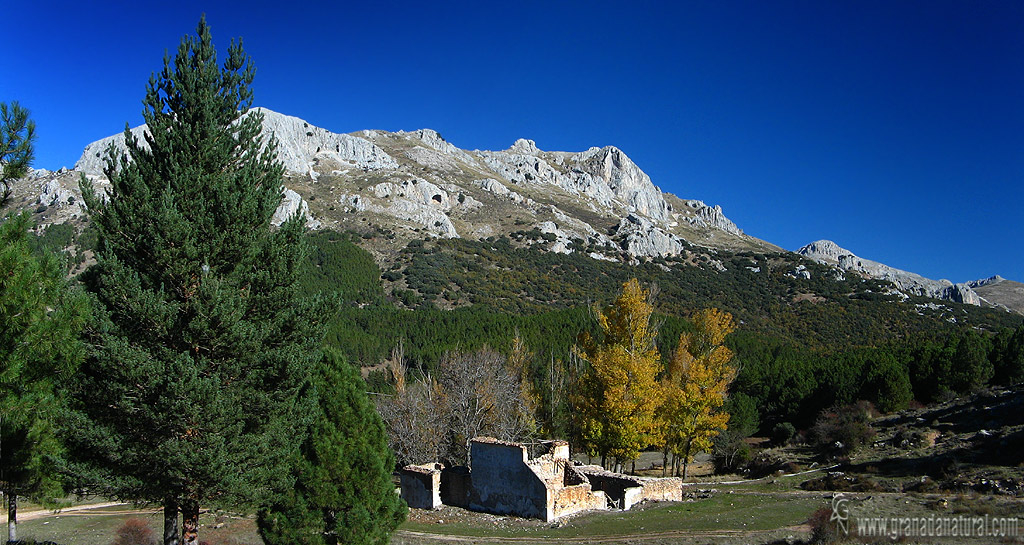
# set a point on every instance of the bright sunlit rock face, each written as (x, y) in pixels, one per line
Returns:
(425, 182)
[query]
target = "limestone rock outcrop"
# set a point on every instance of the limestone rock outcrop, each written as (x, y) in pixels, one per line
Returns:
(292, 203)
(985, 281)
(606, 175)
(425, 216)
(712, 217)
(602, 181)
(830, 253)
(418, 184)
(299, 144)
(639, 236)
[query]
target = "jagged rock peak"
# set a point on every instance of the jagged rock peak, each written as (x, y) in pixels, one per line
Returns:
(432, 139)
(712, 216)
(627, 182)
(524, 146)
(986, 281)
(824, 250)
(603, 180)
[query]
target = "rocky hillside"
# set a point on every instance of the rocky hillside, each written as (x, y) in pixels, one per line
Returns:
(1000, 292)
(413, 185)
(995, 291)
(417, 183)
(830, 253)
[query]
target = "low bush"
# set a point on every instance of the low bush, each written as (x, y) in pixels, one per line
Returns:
(823, 528)
(783, 433)
(842, 430)
(135, 531)
(841, 482)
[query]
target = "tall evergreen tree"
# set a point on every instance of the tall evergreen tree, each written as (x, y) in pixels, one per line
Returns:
(40, 322)
(202, 345)
(343, 492)
(17, 134)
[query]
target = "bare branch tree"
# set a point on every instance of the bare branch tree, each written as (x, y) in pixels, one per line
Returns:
(477, 393)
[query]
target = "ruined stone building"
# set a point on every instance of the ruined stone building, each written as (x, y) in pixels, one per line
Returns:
(504, 480)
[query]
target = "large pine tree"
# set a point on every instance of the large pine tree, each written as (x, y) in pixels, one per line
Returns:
(194, 391)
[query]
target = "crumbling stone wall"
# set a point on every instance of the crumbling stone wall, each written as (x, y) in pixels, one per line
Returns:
(622, 491)
(421, 485)
(569, 491)
(574, 499)
(661, 489)
(503, 483)
(504, 480)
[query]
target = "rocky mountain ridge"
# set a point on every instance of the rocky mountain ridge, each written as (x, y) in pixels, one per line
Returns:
(416, 184)
(830, 253)
(426, 183)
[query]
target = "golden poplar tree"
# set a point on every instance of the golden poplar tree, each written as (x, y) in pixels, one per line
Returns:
(616, 397)
(695, 386)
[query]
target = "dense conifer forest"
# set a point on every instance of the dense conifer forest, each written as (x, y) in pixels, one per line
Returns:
(797, 355)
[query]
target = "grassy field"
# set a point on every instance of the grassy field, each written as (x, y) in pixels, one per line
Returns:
(767, 510)
(726, 513)
(99, 527)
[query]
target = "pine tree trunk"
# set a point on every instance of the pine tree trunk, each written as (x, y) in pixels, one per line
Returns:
(12, 517)
(604, 461)
(664, 462)
(170, 522)
(190, 523)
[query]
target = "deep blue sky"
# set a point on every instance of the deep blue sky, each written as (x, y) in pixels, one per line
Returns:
(894, 128)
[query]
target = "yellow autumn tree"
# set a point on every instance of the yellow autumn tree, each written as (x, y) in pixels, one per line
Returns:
(616, 396)
(694, 388)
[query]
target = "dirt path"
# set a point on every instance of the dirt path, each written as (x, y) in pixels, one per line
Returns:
(79, 511)
(620, 538)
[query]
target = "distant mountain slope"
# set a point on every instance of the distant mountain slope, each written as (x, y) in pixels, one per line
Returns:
(397, 187)
(1000, 292)
(828, 252)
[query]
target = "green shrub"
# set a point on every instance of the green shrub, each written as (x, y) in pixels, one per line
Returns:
(842, 430)
(783, 433)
